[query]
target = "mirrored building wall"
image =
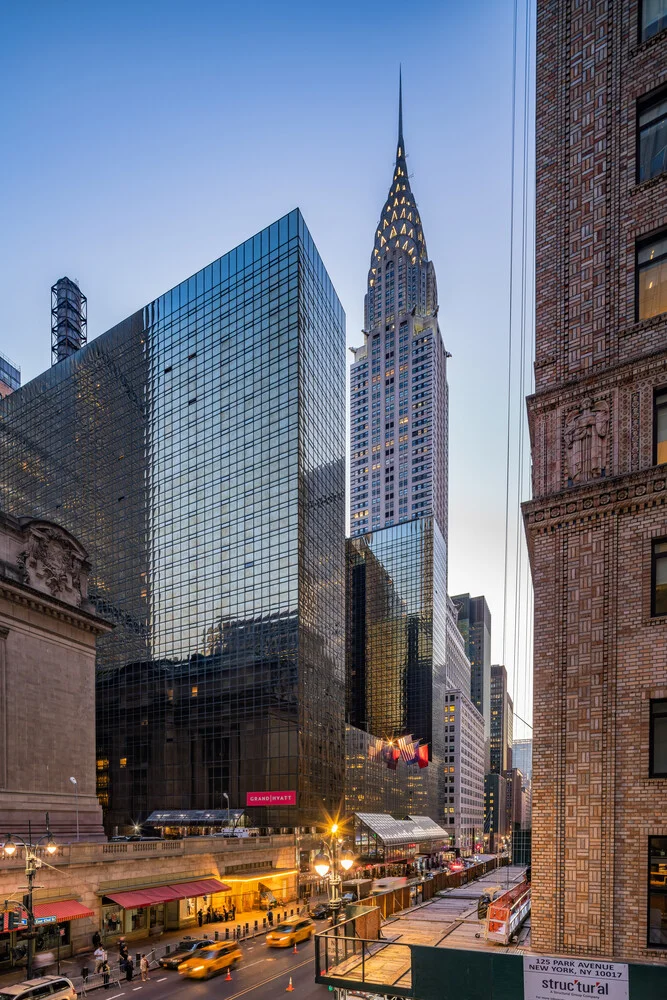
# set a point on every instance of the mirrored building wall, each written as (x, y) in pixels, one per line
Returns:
(197, 450)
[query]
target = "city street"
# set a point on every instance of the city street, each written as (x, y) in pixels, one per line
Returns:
(264, 972)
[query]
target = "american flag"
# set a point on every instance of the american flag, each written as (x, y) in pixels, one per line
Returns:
(375, 750)
(407, 747)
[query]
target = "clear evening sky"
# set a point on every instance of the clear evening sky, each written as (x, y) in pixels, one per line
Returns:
(144, 138)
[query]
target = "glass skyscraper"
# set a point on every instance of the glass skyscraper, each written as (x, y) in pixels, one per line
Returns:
(197, 451)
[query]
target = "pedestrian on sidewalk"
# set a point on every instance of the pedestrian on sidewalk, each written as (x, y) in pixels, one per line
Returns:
(105, 970)
(123, 953)
(143, 966)
(233, 912)
(100, 957)
(129, 969)
(97, 940)
(200, 916)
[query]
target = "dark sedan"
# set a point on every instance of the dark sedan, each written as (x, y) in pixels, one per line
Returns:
(185, 949)
(320, 912)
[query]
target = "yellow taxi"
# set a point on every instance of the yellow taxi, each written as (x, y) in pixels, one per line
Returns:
(209, 961)
(290, 932)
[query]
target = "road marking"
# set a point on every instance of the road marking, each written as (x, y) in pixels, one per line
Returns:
(279, 975)
(116, 995)
(163, 980)
(250, 964)
(135, 988)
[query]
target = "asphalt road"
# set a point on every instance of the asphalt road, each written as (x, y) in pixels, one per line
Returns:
(263, 972)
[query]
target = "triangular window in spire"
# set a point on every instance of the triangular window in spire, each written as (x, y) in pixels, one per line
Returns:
(393, 232)
(404, 229)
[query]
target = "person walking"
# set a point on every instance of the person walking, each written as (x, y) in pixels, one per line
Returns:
(100, 957)
(129, 969)
(105, 970)
(233, 912)
(123, 953)
(97, 940)
(143, 966)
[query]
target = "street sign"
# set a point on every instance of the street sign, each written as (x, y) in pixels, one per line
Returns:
(46, 920)
(563, 978)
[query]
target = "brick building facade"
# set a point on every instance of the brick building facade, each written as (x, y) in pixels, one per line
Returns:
(599, 510)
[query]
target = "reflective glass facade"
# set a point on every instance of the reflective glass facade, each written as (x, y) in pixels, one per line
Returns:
(396, 639)
(197, 450)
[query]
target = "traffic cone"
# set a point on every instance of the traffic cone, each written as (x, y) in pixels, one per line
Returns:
(289, 988)
(228, 977)
(295, 950)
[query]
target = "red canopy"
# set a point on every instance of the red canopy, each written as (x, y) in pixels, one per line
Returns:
(165, 893)
(64, 909)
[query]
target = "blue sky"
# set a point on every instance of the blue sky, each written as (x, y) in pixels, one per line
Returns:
(146, 139)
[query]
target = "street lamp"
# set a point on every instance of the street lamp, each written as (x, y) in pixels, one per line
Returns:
(32, 863)
(225, 796)
(76, 793)
(326, 862)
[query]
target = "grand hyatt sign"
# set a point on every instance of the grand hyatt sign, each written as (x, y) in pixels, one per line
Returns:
(270, 799)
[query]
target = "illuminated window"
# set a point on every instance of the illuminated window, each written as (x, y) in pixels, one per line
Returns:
(659, 578)
(660, 427)
(657, 892)
(123, 761)
(652, 277)
(658, 739)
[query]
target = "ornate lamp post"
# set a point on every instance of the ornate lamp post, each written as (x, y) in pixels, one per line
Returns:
(327, 862)
(32, 863)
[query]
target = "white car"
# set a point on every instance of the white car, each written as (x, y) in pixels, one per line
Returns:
(51, 987)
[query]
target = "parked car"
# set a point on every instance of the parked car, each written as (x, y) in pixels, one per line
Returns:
(348, 897)
(51, 987)
(290, 932)
(321, 911)
(184, 949)
(211, 960)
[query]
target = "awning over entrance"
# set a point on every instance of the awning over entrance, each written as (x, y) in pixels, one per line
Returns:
(64, 909)
(166, 893)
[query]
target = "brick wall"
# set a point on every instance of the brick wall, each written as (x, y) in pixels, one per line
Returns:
(599, 656)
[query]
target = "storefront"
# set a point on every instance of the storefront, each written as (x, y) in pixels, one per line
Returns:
(263, 889)
(55, 937)
(140, 912)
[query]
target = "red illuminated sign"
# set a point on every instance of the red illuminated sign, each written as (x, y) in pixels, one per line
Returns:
(270, 799)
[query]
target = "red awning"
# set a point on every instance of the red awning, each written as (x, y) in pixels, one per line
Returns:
(202, 887)
(64, 909)
(166, 893)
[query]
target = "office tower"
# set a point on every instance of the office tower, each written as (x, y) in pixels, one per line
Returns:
(399, 659)
(597, 524)
(10, 376)
(197, 450)
(464, 772)
(474, 623)
(501, 721)
(522, 757)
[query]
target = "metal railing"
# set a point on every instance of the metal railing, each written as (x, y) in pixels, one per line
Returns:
(343, 956)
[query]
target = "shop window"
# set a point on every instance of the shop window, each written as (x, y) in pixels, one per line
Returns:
(657, 892)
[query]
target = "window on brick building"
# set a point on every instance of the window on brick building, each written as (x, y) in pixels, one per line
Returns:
(654, 17)
(658, 738)
(652, 277)
(652, 159)
(660, 427)
(657, 892)
(659, 578)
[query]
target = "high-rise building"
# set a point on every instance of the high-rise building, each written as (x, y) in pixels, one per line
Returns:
(597, 524)
(10, 376)
(496, 821)
(197, 450)
(501, 721)
(404, 650)
(463, 809)
(522, 757)
(475, 626)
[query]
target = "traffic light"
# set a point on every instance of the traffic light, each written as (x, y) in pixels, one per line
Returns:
(13, 921)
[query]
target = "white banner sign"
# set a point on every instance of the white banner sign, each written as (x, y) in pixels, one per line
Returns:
(567, 978)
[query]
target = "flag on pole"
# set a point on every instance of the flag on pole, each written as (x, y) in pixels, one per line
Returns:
(375, 750)
(406, 748)
(422, 756)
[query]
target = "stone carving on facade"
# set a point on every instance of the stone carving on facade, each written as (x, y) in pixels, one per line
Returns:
(53, 563)
(586, 437)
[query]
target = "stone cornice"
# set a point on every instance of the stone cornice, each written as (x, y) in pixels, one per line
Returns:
(591, 382)
(52, 608)
(620, 494)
